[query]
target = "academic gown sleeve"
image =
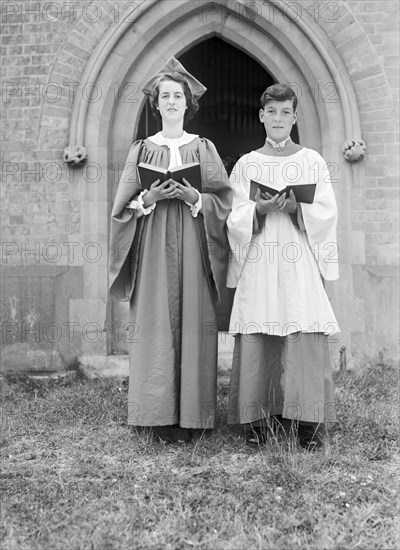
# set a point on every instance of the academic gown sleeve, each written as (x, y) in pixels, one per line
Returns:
(320, 217)
(125, 230)
(216, 205)
(240, 223)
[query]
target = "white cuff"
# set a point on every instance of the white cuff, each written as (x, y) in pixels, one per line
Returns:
(195, 208)
(138, 206)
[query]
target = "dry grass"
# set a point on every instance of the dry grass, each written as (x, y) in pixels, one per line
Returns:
(76, 477)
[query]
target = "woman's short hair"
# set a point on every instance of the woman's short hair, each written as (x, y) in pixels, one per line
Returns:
(191, 101)
(278, 92)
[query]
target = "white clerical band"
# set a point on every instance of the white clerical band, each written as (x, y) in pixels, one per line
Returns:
(276, 145)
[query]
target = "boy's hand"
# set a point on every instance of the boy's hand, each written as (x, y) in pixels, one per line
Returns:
(290, 205)
(266, 203)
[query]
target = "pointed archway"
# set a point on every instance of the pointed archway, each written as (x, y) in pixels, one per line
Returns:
(229, 110)
(131, 52)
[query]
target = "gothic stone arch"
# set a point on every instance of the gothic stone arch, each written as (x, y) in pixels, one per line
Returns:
(292, 49)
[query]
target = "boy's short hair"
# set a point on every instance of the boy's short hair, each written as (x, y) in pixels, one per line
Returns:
(278, 92)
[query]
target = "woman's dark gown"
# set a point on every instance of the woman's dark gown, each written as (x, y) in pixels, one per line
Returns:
(171, 266)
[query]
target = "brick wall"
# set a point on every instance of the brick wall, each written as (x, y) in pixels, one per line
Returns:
(366, 35)
(44, 50)
(32, 205)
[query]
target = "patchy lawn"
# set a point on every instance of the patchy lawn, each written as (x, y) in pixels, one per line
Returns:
(75, 476)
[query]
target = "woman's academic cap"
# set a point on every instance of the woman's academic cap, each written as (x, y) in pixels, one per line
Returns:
(173, 66)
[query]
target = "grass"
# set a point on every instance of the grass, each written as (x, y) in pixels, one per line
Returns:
(75, 476)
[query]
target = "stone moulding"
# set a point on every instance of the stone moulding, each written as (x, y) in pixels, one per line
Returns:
(354, 150)
(75, 155)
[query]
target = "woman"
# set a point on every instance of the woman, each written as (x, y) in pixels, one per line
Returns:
(281, 315)
(168, 259)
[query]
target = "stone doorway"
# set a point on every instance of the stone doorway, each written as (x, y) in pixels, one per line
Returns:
(290, 49)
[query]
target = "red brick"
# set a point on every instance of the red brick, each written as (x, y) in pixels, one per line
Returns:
(392, 149)
(376, 38)
(32, 28)
(387, 26)
(15, 39)
(16, 60)
(15, 50)
(374, 8)
(374, 193)
(376, 204)
(369, 215)
(42, 59)
(388, 181)
(36, 70)
(380, 126)
(393, 79)
(48, 155)
(41, 48)
(391, 42)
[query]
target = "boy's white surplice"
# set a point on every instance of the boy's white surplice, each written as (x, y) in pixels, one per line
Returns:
(277, 268)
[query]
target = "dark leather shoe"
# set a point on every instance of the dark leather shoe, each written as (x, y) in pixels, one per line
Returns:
(256, 437)
(311, 437)
(181, 436)
(163, 433)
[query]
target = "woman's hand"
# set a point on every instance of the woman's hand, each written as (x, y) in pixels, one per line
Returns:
(278, 203)
(159, 192)
(185, 192)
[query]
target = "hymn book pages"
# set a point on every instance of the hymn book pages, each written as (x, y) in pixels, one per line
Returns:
(149, 173)
(303, 193)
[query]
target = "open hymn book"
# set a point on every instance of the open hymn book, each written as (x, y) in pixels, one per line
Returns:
(149, 173)
(303, 193)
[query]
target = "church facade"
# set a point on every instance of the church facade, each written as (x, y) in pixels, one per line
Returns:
(72, 106)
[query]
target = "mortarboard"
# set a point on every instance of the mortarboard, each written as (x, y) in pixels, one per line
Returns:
(173, 66)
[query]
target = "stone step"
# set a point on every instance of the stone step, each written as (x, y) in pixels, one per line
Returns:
(118, 365)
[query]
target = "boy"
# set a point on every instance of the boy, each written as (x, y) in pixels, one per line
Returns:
(281, 315)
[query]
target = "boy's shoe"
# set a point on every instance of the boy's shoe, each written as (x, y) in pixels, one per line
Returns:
(256, 437)
(311, 437)
(163, 433)
(283, 426)
(172, 434)
(181, 436)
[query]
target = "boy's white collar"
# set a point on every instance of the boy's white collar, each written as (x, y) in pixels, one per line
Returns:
(276, 145)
